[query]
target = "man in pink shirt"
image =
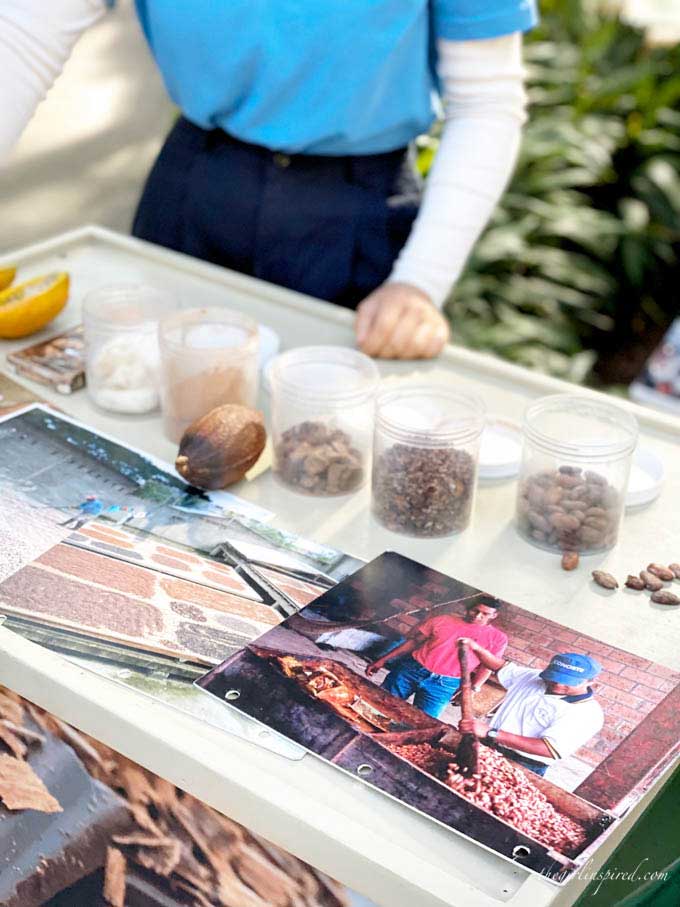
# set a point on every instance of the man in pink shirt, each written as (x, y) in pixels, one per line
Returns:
(429, 669)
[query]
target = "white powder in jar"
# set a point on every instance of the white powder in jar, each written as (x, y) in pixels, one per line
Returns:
(123, 374)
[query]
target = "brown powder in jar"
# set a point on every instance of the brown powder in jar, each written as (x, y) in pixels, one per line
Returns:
(187, 398)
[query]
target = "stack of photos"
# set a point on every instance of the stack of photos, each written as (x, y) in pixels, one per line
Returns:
(110, 558)
(533, 740)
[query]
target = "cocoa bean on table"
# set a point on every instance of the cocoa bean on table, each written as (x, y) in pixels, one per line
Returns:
(664, 597)
(570, 560)
(676, 570)
(664, 573)
(652, 582)
(606, 580)
(567, 509)
(635, 582)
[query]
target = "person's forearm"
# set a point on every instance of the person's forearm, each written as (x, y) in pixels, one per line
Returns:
(534, 745)
(36, 39)
(480, 677)
(404, 649)
(490, 661)
(485, 107)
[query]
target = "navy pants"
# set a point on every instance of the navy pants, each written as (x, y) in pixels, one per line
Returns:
(327, 226)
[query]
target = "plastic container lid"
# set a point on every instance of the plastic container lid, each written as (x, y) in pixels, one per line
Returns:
(646, 478)
(500, 451)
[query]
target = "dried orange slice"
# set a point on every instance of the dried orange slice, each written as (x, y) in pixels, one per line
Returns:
(7, 275)
(29, 306)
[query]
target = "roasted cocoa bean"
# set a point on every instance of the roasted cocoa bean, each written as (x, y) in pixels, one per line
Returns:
(635, 582)
(652, 582)
(570, 560)
(664, 597)
(664, 573)
(676, 570)
(318, 459)
(606, 580)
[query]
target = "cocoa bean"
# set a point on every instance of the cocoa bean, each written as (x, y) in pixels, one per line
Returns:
(564, 522)
(664, 597)
(662, 572)
(574, 511)
(565, 480)
(652, 582)
(676, 570)
(570, 560)
(635, 582)
(606, 580)
(538, 521)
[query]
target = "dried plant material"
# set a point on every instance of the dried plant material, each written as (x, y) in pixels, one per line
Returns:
(606, 580)
(664, 573)
(317, 459)
(163, 860)
(569, 510)
(21, 788)
(11, 741)
(635, 582)
(423, 492)
(676, 570)
(664, 597)
(570, 560)
(114, 878)
(10, 708)
(652, 582)
(23, 733)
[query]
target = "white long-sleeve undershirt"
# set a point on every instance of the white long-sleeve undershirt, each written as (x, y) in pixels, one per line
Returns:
(484, 108)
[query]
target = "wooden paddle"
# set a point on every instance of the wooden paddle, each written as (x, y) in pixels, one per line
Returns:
(467, 754)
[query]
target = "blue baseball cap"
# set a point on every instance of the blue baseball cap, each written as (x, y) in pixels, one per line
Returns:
(571, 669)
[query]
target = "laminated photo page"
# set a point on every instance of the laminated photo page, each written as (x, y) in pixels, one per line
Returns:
(504, 726)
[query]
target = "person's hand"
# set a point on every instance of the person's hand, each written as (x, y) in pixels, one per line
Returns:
(398, 321)
(373, 668)
(473, 726)
(471, 644)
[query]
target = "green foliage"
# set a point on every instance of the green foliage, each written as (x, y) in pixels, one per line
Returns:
(580, 255)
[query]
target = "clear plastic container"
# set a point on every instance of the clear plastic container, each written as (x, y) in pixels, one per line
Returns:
(322, 407)
(209, 357)
(575, 463)
(121, 346)
(425, 458)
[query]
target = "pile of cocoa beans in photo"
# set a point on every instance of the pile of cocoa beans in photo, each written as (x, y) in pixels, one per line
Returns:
(504, 790)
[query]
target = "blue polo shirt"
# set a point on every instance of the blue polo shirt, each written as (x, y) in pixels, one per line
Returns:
(315, 76)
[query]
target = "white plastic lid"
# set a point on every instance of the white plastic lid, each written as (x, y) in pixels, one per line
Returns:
(646, 478)
(500, 451)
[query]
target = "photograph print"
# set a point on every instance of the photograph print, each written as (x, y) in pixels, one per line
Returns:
(523, 735)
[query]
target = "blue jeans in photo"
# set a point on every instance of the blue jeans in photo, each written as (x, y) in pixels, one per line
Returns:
(432, 691)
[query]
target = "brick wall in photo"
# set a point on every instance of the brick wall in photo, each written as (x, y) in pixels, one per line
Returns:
(628, 688)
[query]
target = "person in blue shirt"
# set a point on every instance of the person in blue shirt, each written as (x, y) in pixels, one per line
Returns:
(291, 159)
(90, 508)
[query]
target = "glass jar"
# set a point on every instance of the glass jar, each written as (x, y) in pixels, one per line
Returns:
(575, 463)
(209, 357)
(425, 456)
(120, 324)
(322, 405)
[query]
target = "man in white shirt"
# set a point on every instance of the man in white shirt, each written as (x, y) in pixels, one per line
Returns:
(546, 714)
